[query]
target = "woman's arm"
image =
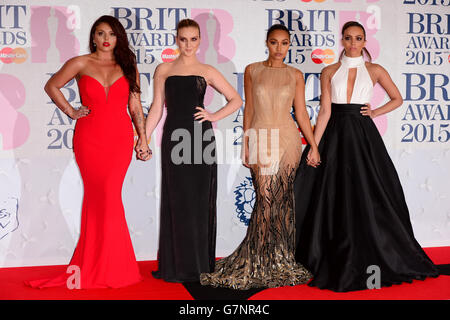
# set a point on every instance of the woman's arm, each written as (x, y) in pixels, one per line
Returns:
(325, 104)
(303, 118)
(53, 87)
(221, 85)
(248, 114)
(391, 89)
(156, 108)
(137, 115)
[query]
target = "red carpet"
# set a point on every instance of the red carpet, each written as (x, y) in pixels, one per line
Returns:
(12, 287)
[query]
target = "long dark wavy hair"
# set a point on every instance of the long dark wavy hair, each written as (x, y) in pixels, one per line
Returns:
(123, 54)
(349, 24)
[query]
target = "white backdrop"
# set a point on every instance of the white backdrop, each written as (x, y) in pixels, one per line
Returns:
(40, 186)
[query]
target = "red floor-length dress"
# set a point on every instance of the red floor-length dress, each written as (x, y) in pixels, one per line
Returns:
(103, 147)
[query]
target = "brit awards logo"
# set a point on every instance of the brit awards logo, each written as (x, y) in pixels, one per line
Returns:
(427, 114)
(151, 31)
(245, 197)
(311, 31)
(12, 34)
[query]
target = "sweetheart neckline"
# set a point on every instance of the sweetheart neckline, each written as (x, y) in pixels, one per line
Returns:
(105, 89)
(86, 75)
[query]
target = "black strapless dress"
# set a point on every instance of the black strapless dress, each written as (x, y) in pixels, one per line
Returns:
(187, 238)
(351, 212)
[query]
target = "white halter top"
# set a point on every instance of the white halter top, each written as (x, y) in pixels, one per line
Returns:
(363, 87)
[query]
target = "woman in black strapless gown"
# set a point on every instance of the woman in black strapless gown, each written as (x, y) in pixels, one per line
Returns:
(351, 215)
(187, 238)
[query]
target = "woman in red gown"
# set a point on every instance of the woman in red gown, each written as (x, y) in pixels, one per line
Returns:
(103, 145)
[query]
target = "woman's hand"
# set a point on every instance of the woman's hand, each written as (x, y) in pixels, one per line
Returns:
(203, 115)
(366, 111)
(79, 113)
(313, 158)
(245, 156)
(143, 152)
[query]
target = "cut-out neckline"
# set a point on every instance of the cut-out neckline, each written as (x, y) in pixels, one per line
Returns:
(105, 88)
(351, 63)
(354, 83)
(362, 89)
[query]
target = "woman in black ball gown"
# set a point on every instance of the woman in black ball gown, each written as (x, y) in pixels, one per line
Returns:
(351, 213)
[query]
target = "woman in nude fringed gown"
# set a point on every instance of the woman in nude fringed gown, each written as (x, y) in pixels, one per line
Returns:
(272, 150)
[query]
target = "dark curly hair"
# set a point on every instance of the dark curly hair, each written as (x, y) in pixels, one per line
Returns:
(123, 54)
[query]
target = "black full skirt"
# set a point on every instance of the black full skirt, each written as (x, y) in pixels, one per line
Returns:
(351, 211)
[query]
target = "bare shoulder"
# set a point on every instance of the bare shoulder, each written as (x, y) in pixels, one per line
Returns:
(208, 69)
(210, 73)
(330, 70)
(252, 65)
(298, 74)
(375, 68)
(296, 71)
(79, 62)
(75, 67)
(249, 69)
(376, 71)
(162, 70)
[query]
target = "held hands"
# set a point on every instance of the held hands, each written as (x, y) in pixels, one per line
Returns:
(203, 115)
(366, 111)
(313, 158)
(143, 152)
(78, 113)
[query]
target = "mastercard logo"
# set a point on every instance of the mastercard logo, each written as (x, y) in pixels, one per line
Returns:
(322, 56)
(169, 54)
(16, 55)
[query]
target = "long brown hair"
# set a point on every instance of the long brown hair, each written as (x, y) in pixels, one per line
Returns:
(355, 24)
(123, 55)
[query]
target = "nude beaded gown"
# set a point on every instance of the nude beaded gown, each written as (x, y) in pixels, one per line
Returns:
(265, 258)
